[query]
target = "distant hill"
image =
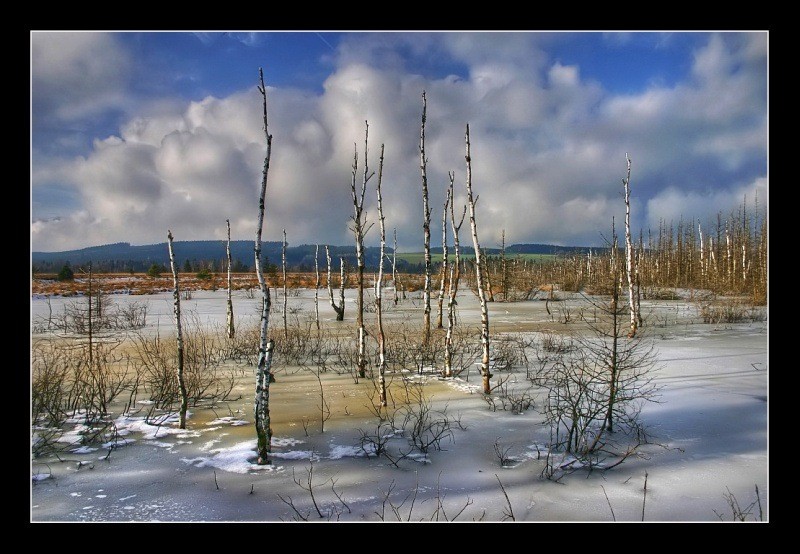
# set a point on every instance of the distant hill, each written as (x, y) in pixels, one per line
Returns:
(122, 256)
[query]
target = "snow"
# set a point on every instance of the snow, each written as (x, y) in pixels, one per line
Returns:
(708, 434)
(227, 420)
(239, 458)
(339, 451)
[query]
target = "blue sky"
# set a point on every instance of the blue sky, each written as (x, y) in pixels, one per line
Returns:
(134, 133)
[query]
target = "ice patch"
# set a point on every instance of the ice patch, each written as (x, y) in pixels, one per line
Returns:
(228, 420)
(100, 495)
(240, 458)
(295, 455)
(119, 443)
(462, 386)
(83, 450)
(288, 441)
(339, 451)
(124, 498)
(41, 476)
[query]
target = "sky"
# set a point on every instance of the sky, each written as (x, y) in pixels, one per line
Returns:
(135, 133)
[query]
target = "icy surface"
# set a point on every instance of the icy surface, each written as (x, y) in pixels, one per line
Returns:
(708, 435)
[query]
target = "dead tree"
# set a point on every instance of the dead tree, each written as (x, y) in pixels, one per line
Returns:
(342, 283)
(265, 348)
(230, 327)
(176, 295)
(426, 227)
(378, 295)
(394, 267)
(488, 277)
(360, 229)
(444, 261)
(455, 273)
(471, 201)
(629, 260)
(285, 297)
(316, 286)
(503, 268)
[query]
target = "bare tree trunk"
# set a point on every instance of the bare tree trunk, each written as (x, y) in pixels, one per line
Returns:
(394, 267)
(503, 268)
(455, 273)
(264, 372)
(340, 308)
(285, 298)
(316, 286)
(444, 261)
(426, 227)
(359, 222)
(378, 293)
(629, 262)
(613, 378)
(229, 319)
(702, 256)
(471, 201)
(176, 295)
(488, 278)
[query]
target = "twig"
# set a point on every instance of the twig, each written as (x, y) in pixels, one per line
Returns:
(760, 511)
(290, 503)
(609, 503)
(507, 514)
(215, 480)
(644, 498)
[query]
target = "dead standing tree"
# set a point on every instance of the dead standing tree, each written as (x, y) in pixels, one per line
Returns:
(176, 295)
(342, 284)
(455, 274)
(378, 295)
(229, 320)
(629, 252)
(285, 297)
(316, 286)
(471, 201)
(360, 229)
(265, 348)
(394, 267)
(426, 227)
(444, 260)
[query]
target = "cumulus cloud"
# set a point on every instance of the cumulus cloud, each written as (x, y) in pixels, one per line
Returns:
(548, 148)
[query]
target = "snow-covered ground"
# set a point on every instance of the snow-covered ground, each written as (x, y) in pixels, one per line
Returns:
(709, 433)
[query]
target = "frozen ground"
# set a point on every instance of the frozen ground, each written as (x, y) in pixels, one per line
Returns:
(711, 424)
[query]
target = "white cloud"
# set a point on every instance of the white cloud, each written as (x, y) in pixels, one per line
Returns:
(76, 74)
(673, 203)
(548, 149)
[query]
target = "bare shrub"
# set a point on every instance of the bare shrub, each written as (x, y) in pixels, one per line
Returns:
(730, 311)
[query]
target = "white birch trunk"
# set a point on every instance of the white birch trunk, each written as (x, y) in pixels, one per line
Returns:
(426, 228)
(702, 254)
(629, 261)
(394, 267)
(285, 296)
(229, 316)
(316, 286)
(444, 262)
(378, 293)
(340, 308)
(471, 201)
(176, 296)
(455, 274)
(359, 232)
(265, 348)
